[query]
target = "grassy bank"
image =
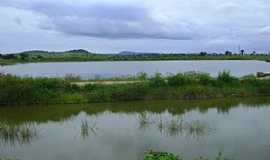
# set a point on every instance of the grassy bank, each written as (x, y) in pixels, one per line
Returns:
(188, 86)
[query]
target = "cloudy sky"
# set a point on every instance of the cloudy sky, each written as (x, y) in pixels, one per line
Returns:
(138, 25)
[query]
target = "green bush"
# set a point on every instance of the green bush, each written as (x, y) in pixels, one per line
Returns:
(179, 79)
(157, 80)
(189, 86)
(225, 78)
(160, 156)
(29, 90)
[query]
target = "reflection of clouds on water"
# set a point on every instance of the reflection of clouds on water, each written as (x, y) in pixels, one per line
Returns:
(17, 134)
(88, 70)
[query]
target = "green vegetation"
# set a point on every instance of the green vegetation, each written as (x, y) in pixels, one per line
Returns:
(160, 156)
(182, 86)
(175, 126)
(83, 55)
(169, 156)
(62, 112)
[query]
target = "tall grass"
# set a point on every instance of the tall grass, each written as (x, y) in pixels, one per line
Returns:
(189, 86)
(15, 90)
(17, 134)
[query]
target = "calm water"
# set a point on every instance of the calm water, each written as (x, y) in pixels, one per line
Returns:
(124, 131)
(116, 69)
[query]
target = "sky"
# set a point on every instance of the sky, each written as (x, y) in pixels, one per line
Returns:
(111, 26)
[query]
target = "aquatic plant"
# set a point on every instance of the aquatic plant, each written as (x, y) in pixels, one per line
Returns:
(17, 134)
(151, 155)
(144, 120)
(160, 156)
(87, 128)
(177, 126)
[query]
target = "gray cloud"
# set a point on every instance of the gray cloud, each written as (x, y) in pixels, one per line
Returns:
(107, 20)
(175, 25)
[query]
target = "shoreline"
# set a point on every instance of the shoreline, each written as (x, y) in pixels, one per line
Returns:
(77, 57)
(187, 86)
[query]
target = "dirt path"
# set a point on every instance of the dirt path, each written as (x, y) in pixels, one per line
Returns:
(104, 82)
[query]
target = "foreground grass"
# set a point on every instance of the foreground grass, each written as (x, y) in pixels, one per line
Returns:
(187, 86)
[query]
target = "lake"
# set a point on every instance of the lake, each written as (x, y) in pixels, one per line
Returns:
(89, 70)
(238, 128)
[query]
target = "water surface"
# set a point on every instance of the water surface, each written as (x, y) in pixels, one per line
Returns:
(119, 131)
(117, 69)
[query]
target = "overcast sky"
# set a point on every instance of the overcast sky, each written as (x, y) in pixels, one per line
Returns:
(136, 25)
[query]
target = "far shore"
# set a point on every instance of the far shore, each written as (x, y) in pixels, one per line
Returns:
(85, 56)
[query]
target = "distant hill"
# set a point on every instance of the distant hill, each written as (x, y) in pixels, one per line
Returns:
(135, 53)
(81, 51)
(75, 51)
(34, 52)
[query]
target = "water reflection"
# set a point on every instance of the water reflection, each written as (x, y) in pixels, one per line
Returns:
(119, 131)
(118, 69)
(144, 120)
(174, 125)
(88, 128)
(17, 134)
(62, 113)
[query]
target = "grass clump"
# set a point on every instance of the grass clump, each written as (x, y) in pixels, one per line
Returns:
(160, 156)
(169, 156)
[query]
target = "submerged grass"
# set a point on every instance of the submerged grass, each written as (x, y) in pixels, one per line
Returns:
(182, 86)
(17, 134)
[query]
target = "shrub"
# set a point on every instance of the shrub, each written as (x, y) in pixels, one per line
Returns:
(142, 76)
(205, 79)
(225, 78)
(178, 79)
(72, 78)
(16, 90)
(157, 80)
